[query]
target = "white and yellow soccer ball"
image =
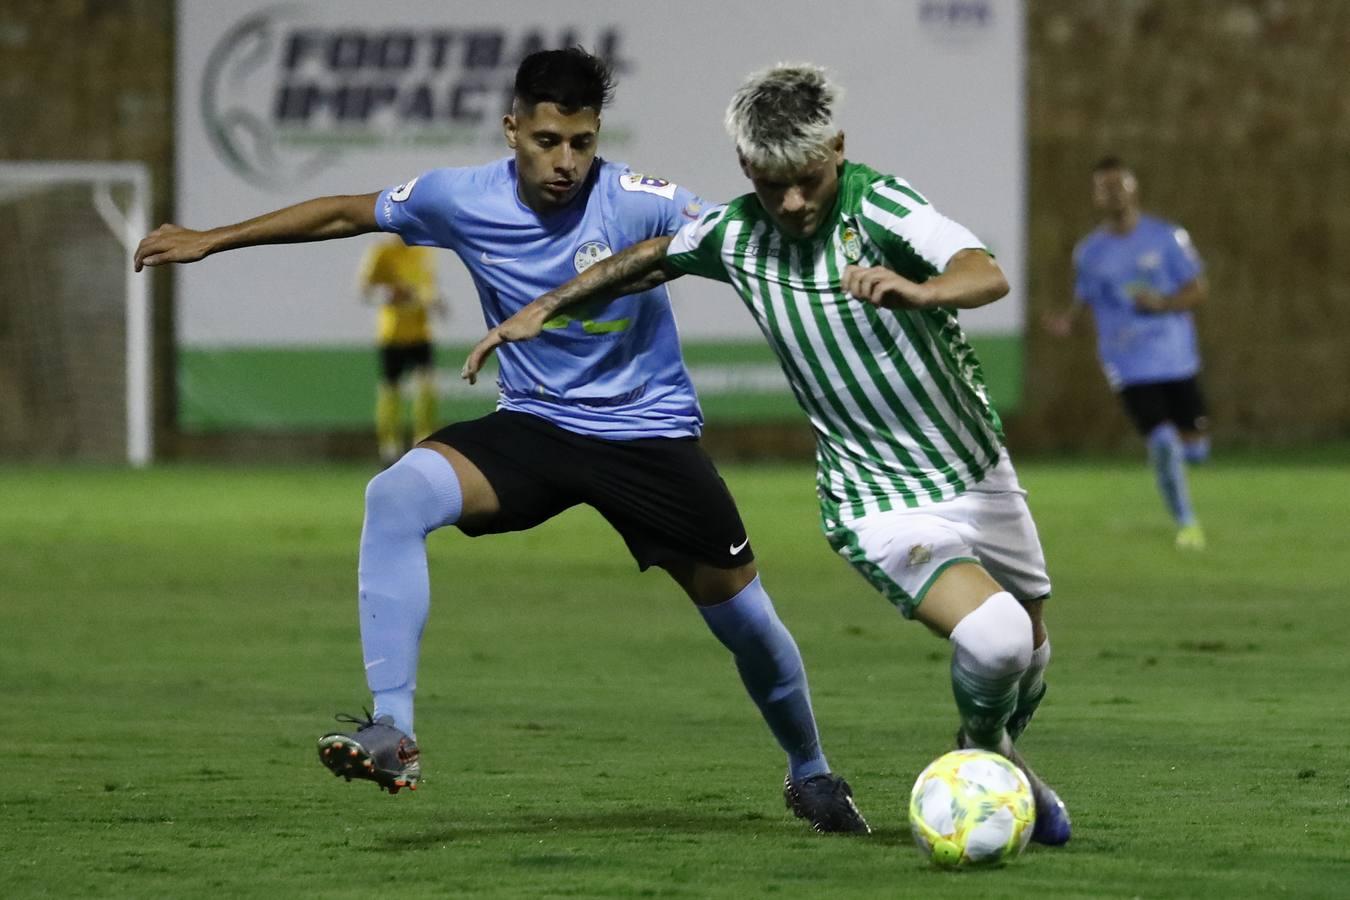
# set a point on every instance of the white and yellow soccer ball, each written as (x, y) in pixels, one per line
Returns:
(971, 807)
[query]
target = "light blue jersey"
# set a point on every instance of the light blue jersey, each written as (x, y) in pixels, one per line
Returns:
(617, 374)
(1139, 347)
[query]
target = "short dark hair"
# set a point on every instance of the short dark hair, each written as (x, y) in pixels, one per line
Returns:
(571, 78)
(1111, 163)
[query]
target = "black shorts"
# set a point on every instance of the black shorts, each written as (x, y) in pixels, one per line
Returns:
(396, 360)
(663, 495)
(1179, 402)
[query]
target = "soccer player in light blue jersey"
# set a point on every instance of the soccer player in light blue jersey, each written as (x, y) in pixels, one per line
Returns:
(1142, 277)
(599, 411)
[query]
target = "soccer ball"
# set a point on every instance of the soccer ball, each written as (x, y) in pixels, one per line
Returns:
(971, 807)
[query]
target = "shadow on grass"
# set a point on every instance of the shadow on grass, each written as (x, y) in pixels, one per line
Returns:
(663, 822)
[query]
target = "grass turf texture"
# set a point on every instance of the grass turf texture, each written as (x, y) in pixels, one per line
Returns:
(172, 642)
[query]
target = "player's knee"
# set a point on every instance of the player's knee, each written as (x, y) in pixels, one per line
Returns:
(388, 497)
(1196, 450)
(418, 493)
(995, 641)
(1164, 439)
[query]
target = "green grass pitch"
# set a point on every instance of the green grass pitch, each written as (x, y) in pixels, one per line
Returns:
(172, 641)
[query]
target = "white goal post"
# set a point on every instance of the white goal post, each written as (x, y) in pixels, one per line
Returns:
(44, 204)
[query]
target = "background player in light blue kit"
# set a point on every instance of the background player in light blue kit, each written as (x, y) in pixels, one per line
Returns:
(600, 411)
(1142, 278)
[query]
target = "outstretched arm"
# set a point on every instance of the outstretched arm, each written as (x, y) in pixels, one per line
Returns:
(635, 269)
(971, 279)
(319, 219)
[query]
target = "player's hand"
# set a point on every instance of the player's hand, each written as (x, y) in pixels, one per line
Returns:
(1148, 300)
(171, 244)
(523, 326)
(883, 288)
(1058, 325)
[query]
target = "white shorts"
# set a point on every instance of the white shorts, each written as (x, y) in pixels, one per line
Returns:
(901, 552)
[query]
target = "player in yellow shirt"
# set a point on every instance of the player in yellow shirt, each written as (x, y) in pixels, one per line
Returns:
(402, 280)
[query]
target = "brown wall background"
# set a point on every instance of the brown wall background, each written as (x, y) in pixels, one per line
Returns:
(1234, 113)
(1236, 117)
(93, 80)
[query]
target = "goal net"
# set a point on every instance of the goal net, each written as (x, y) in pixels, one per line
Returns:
(74, 318)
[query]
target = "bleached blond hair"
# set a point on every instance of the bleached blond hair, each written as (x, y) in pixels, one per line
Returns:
(783, 117)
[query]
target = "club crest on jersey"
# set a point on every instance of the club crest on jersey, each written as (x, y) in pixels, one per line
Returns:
(1150, 261)
(852, 244)
(590, 253)
(647, 184)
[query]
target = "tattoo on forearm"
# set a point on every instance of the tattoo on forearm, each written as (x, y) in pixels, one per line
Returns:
(634, 270)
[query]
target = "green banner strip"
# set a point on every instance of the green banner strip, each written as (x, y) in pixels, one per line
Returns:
(321, 388)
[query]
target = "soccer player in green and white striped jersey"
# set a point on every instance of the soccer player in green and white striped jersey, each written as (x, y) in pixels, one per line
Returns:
(855, 279)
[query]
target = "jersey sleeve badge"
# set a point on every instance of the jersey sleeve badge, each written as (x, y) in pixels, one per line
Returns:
(647, 184)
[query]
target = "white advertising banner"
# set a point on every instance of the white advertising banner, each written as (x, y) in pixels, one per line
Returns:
(280, 102)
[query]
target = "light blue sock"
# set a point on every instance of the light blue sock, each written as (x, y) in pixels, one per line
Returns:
(1197, 450)
(772, 671)
(405, 502)
(1166, 456)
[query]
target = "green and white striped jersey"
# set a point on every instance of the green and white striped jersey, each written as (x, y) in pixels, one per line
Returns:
(896, 397)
